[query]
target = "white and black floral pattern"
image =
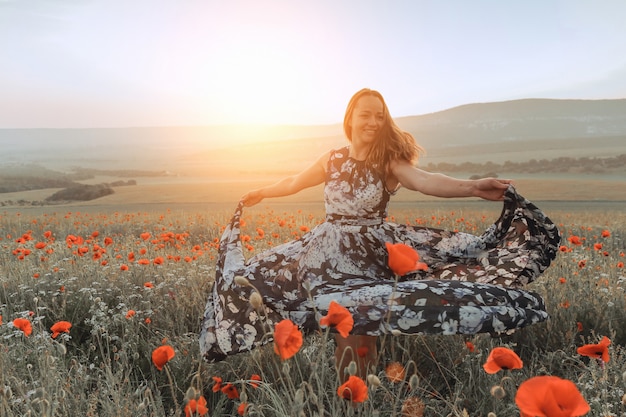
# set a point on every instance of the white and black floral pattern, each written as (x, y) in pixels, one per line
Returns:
(473, 283)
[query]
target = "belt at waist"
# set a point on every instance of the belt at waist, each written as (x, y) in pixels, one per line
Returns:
(354, 220)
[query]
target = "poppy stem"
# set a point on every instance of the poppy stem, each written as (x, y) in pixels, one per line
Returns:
(171, 383)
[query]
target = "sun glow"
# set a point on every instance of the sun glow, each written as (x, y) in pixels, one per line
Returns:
(257, 83)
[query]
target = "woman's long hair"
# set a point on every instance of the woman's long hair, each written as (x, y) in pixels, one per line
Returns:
(392, 142)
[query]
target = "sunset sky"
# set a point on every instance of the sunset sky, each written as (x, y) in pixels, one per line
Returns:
(123, 63)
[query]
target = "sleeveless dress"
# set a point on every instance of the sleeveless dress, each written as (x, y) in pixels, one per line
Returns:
(473, 283)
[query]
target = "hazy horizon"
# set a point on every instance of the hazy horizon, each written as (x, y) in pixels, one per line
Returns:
(117, 64)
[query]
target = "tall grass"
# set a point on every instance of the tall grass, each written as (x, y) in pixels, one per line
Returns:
(122, 307)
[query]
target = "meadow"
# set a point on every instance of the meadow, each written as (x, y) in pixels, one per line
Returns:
(101, 306)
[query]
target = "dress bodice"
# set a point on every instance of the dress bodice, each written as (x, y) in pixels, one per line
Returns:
(354, 192)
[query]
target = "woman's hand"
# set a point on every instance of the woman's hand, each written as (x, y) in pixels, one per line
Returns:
(491, 188)
(252, 198)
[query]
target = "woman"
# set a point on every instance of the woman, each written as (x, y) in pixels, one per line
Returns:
(345, 258)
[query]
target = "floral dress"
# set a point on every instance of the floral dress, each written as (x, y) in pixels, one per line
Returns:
(473, 283)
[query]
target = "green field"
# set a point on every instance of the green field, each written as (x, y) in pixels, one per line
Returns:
(72, 262)
(103, 365)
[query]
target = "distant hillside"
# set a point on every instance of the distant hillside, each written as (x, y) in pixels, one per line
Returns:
(512, 130)
(528, 119)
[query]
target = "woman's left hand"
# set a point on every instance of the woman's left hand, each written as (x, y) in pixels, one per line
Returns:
(491, 188)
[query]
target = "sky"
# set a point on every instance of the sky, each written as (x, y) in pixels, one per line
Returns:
(133, 63)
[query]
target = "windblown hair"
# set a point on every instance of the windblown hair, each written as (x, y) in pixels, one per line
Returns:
(392, 143)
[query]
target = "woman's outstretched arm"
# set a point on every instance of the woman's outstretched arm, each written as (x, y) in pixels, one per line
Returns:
(312, 176)
(440, 185)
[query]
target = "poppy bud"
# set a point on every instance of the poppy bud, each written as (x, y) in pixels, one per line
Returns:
(498, 392)
(191, 394)
(256, 301)
(373, 380)
(352, 368)
(299, 397)
(242, 281)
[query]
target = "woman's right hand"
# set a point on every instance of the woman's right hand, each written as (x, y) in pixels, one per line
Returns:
(252, 198)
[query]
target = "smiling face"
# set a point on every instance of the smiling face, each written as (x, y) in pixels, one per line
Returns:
(366, 120)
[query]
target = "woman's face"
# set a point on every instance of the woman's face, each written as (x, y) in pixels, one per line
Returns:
(367, 120)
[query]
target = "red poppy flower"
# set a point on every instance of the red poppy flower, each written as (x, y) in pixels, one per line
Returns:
(403, 259)
(339, 317)
(217, 386)
(502, 358)
(470, 346)
(598, 350)
(575, 240)
(162, 355)
(547, 396)
(24, 325)
(606, 233)
(255, 378)
(130, 313)
(354, 389)
(196, 407)
(241, 410)
(59, 327)
(287, 339)
(231, 391)
(362, 351)
(145, 236)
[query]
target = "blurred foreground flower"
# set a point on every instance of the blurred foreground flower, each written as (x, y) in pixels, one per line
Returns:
(413, 407)
(550, 396)
(403, 259)
(217, 386)
(162, 355)
(231, 391)
(339, 317)
(196, 407)
(502, 358)
(354, 389)
(287, 339)
(395, 372)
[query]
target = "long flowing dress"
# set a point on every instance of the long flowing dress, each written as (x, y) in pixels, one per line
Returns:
(473, 283)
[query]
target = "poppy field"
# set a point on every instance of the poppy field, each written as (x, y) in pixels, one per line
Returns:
(100, 314)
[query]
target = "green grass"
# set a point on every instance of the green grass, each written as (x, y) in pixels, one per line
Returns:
(103, 367)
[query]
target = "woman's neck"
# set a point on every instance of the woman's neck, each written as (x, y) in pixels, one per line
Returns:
(358, 152)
